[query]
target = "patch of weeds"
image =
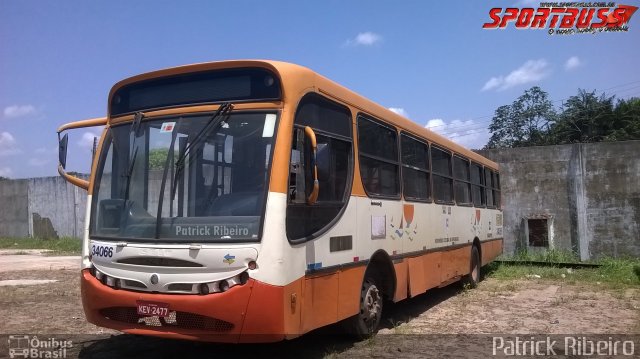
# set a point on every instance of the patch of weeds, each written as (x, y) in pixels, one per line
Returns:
(370, 342)
(614, 273)
(557, 301)
(466, 287)
(510, 287)
(61, 246)
(548, 256)
(401, 328)
(632, 306)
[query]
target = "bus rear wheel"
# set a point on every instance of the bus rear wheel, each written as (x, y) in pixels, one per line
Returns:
(366, 322)
(473, 278)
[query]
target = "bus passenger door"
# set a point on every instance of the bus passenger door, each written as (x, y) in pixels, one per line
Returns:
(320, 175)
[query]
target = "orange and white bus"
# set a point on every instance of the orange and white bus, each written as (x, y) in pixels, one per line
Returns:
(252, 201)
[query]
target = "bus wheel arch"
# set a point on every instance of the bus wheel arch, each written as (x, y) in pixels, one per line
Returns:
(380, 268)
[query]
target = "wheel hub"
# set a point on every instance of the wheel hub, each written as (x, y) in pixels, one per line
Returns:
(372, 307)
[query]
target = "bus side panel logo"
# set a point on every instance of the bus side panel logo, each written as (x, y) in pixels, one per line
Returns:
(229, 259)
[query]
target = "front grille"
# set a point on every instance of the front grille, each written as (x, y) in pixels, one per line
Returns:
(175, 319)
(134, 284)
(159, 262)
(180, 287)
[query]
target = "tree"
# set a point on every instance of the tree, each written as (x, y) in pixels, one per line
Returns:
(626, 121)
(585, 117)
(523, 123)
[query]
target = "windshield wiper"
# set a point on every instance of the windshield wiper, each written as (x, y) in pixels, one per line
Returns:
(218, 117)
(170, 156)
(135, 125)
(221, 114)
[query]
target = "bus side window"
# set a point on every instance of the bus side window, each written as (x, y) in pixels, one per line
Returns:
(415, 169)
(496, 189)
(489, 187)
(331, 125)
(379, 163)
(442, 176)
(462, 180)
(477, 185)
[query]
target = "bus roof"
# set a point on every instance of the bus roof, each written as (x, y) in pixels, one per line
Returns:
(298, 79)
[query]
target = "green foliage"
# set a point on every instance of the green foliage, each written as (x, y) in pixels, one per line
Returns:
(64, 245)
(157, 158)
(524, 122)
(548, 256)
(619, 273)
(531, 120)
(626, 121)
(585, 117)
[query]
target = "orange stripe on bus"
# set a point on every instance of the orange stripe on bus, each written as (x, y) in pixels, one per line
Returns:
(320, 301)
(349, 291)
(490, 250)
(402, 280)
(424, 272)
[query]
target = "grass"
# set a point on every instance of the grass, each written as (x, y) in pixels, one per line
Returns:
(62, 246)
(400, 327)
(549, 256)
(611, 272)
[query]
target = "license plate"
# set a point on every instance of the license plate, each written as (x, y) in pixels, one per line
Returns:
(151, 309)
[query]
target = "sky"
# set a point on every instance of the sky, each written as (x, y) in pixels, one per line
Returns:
(430, 61)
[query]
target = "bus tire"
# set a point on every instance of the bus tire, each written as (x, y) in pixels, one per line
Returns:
(473, 278)
(365, 323)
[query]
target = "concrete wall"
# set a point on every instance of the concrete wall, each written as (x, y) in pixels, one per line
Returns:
(589, 193)
(14, 211)
(55, 205)
(46, 207)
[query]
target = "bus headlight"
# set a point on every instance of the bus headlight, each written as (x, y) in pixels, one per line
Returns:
(244, 278)
(223, 285)
(204, 288)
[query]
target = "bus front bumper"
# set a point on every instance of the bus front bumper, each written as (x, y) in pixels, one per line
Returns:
(252, 312)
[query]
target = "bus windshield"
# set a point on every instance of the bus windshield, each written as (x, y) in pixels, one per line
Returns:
(144, 191)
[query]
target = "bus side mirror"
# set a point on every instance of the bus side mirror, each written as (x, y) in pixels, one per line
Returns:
(62, 149)
(313, 197)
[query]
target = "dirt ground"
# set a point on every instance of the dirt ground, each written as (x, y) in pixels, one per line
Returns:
(32, 259)
(445, 320)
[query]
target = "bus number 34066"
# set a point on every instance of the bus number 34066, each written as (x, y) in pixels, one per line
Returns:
(102, 251)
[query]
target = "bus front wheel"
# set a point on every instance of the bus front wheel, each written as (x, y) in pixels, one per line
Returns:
(366, 322)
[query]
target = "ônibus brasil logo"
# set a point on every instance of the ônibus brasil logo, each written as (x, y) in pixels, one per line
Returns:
(565, 18)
